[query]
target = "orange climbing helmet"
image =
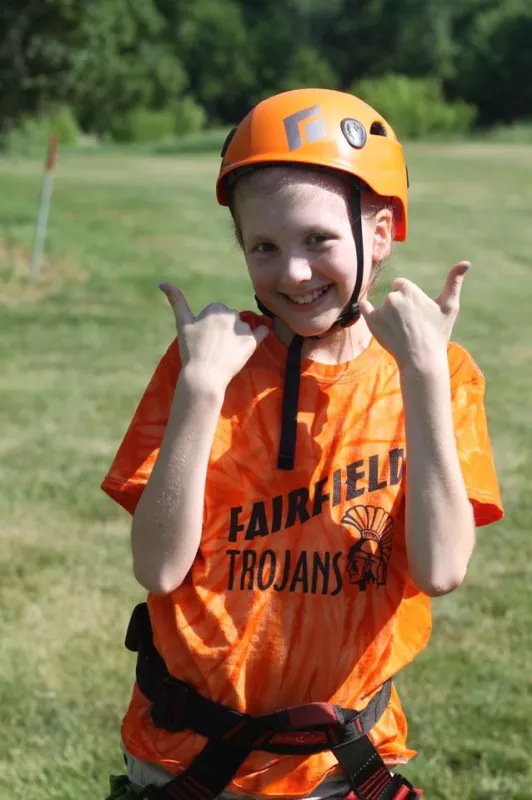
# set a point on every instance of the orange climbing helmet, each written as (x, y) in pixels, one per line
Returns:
(329, 130)
(324, 128)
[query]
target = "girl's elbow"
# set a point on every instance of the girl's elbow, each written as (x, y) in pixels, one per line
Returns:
(439, 584)
(157, 582)
(441, 588)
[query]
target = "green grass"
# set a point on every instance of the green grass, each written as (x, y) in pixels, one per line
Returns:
(76, 349)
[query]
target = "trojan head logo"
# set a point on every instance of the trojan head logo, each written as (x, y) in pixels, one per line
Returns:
(368, 558)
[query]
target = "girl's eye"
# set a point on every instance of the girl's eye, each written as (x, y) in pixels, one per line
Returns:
(318, 238)
(264, 247)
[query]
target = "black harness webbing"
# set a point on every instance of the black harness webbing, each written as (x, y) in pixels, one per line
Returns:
(232, 736)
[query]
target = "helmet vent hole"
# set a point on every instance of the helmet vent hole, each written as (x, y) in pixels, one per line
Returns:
(378, 129)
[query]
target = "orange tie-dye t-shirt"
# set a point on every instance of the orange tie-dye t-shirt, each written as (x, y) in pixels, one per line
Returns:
(300, 590)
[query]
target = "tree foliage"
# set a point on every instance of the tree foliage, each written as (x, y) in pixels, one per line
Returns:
(108, 58)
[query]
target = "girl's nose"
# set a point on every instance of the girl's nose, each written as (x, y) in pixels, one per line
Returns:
(296, 270)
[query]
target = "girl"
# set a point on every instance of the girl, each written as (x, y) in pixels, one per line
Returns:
(301, 482)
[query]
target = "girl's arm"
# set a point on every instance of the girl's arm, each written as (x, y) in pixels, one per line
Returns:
(167, 523)
(415, 329)
(440, 528)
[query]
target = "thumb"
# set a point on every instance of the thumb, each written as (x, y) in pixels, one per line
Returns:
(366, 308)
(177, 300)
(261, 333)
(450, 296)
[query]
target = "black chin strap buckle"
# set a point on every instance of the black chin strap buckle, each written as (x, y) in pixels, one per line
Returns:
(349, 315)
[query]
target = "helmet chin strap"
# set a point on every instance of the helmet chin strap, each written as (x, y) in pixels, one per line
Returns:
(350, 314)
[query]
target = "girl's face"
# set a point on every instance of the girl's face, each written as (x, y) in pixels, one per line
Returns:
(298, 242)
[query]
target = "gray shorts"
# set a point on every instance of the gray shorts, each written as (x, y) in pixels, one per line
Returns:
(143, 773)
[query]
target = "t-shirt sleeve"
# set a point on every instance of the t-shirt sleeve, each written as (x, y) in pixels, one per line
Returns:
(472, 437)
(138, 451)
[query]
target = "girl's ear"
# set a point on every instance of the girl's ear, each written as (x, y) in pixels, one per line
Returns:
(382, 235)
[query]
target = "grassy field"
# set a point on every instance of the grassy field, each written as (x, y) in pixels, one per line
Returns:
(76, 349)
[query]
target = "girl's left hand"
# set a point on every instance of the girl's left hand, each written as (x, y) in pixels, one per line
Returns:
(413, 327)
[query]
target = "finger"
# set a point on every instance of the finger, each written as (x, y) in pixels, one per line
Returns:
(218, 308)
(394, 298)
(449, 299)
(401, 285)
(261, 333)
(177, 300)
(366, 308)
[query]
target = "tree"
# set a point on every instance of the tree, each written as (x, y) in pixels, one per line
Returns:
(368, 38)
(211, 39)
(494, 59)
(99, 57)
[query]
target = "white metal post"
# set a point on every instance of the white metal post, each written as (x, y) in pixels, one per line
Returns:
(44, 206)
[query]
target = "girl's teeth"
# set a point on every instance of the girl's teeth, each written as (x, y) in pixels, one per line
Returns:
(308, 298)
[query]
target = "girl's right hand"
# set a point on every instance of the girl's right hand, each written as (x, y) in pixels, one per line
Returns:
(217, 343)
